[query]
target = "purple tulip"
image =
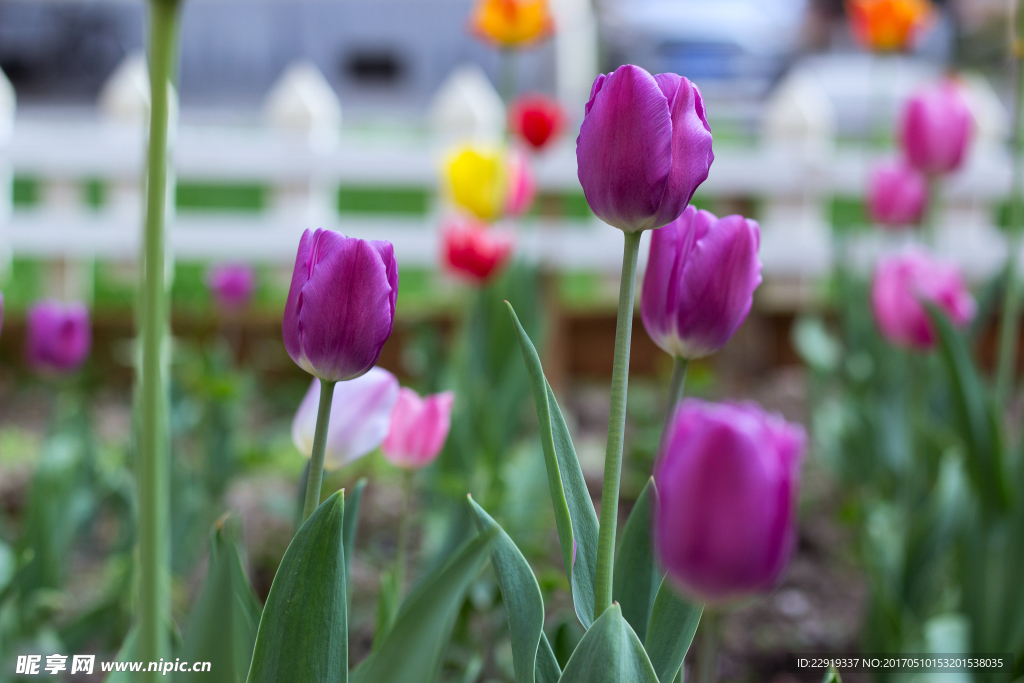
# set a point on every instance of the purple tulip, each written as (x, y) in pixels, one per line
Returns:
(232, 285)
(897, 195)
(936, 128)
(902, 282)
(700, 282)
(341, 305)
(59, 336)
(727, 479)
(419, 427)
(644, 147)
(360, 417)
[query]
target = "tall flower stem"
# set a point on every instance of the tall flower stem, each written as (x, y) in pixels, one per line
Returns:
(1008, 332)
(316, 460)
(616, 426)
(402, 547)
(707, 656)
(675, 390)
(153, 465)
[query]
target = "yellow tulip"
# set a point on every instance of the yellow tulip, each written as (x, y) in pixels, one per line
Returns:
(888, 25)
(512, 23)
(476, 179)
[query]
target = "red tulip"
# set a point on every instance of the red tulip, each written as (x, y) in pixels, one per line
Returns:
(537, 119)
(475, 250)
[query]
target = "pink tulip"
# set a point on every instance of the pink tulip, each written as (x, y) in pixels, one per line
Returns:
(727, 479)
(419, 427)
(902, 282)
(232, 285)
(59, 336)
(936, 128)
(360, 417)
(643, 148)
(522, 188)
(897, 195)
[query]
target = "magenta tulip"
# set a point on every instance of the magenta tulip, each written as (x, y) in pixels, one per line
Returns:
(936, 128)
(902, 283)
(360, 417)
(643, 148)
(700, 282)
(419, 427)
(727, 479)
(897, 195)
(341, 305)
(59, 336)
(232, 285)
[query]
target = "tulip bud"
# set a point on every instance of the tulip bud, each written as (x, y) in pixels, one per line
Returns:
(360, 417)
(341, 305)
(936, 128)
(475, 251)
(512, 23)
(522, 188)
(643, 148)
(419, 427)
(477, 181)
(537, 119)
(232, 285)
(59, 336)
(888, 25)
(700, 282)
(727, 479)
(902, 283)
(897, 195)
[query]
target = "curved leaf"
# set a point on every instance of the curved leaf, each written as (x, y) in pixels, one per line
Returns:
(575, 517)
(636, 578)
(609, 653)
(670, 631)
(411, 651)
(223, 623)
(548, 670)
(979, 425)
(303, 635)
(524, 604)
(352, 506)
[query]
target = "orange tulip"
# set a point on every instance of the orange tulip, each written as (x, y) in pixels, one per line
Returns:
(888, 25)
(512, 23)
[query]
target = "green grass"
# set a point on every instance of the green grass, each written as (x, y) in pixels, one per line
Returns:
(25, 191)
(193, 196)
(847, 214)
(414, 201)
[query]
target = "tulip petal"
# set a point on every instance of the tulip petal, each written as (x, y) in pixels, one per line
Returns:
(624, 149)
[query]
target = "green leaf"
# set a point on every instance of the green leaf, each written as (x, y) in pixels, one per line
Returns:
(303, 635)
(636, 578)
(548, 670)
(351, 526)
(609, 653)
(979, 425)
(575, 517)
(223, 623)
(524, 604)
(670, 631)
(389, 600)
(411, 652)
(832, 676)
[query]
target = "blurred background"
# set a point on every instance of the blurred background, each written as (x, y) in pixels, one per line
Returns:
(298, 114)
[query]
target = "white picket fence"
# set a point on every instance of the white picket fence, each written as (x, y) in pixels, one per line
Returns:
(794, 173)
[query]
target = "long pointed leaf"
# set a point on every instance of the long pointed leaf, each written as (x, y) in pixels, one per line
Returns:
(353, 504)
(412, 649)
(524, 604)
(670, 631)
(548, 670)
(303, 634)
(575, 517)
(979, 425)
(609, 653)
(636, 578)
(223, 623)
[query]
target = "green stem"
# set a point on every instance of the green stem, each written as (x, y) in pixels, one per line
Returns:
(1008, 332)
(316, 459)
(675, 390)
(616, 427)
(507, 76)
(153, 471)
(931, 212)
(707, 656)
(403, 529)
